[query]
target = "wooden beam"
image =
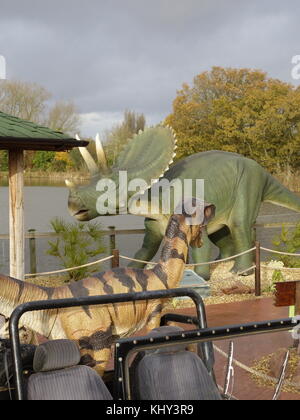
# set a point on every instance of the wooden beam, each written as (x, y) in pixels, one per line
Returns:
(16, 214)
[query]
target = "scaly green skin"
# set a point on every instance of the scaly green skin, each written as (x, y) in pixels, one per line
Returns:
(234, 184)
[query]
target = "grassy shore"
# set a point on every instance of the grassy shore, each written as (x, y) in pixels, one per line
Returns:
(288, 179)
(79, 175)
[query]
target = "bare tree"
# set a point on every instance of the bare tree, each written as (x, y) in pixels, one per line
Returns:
(119, 135)
(63, 116)
(23, 100)
(30, 101)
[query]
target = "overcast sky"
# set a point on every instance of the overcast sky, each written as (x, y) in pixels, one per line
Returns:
(112, 55)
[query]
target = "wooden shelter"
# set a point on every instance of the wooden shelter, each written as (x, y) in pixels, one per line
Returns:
(17, 135)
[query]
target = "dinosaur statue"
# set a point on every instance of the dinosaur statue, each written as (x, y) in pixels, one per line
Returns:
(235, 184)
(95, 328)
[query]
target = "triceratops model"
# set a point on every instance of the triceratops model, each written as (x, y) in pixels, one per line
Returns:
(236, 185)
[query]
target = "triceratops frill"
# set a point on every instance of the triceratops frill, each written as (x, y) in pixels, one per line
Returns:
(147, 156)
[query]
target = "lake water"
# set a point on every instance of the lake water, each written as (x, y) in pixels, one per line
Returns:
(46, 200)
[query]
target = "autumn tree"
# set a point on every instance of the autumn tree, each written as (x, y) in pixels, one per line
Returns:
(239, 110)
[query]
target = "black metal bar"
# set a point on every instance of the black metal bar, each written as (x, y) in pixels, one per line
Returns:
(210, 334)
(182, 319)
(128, 346)
(86, 301)
(206, 349)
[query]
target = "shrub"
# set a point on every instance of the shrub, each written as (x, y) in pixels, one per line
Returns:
(75, 244)
(3, 160)
(43, 160)
(288, 241)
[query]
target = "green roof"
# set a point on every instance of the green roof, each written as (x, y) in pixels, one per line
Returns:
(18, 133)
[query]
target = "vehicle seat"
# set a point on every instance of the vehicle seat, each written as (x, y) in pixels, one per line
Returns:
(171, 373)
(60, 377)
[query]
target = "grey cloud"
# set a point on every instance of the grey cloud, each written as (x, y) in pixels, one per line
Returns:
(117, 54)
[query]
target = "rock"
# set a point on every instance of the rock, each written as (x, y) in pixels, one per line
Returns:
(238, 289)
(276, 363)
(192, 280)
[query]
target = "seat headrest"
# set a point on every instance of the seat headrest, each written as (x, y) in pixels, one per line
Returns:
(55, 355)
(165, 331)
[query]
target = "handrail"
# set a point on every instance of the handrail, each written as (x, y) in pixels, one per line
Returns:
(279, 252)
(187, 265)
(193, 265)
(65, 270)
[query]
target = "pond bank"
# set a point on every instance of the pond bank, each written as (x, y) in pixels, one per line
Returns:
(288, 179)
(51, 175)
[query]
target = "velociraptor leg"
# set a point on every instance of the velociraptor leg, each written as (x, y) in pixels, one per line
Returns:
(93, 334)
(97, 360)
(154, 323)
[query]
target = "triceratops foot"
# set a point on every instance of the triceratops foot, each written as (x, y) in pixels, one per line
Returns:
(242, 271)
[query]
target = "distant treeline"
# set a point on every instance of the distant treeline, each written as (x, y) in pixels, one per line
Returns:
(235, 110)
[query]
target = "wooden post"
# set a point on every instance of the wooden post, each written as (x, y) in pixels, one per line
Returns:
(16, 214)
(115, 262)
(257, 270)
(32, 250)
(112, 239)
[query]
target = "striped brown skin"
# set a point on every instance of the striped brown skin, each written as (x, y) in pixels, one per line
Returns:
(96, 328)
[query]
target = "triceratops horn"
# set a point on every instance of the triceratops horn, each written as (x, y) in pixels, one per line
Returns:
(69, 184)
(101, 154)
(91, 164)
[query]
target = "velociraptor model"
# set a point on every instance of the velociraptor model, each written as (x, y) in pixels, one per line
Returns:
(236, 185)
(95, 328)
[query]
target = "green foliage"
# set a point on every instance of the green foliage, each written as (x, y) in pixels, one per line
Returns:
(288, 241)
(3, 160)
(75, 244)
(242, 111)
(43, 160)
(277, 276)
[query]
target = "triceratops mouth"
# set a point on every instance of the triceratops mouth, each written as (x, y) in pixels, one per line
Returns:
(82, 214)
